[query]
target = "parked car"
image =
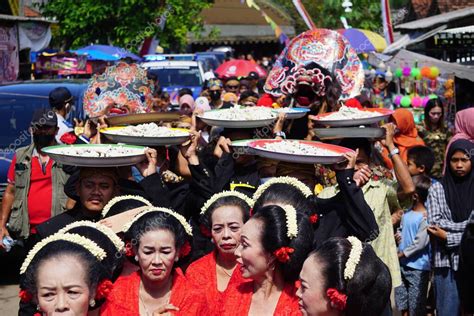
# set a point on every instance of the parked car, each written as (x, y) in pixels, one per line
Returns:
(174, 75)
(209, 60)
(18, 101)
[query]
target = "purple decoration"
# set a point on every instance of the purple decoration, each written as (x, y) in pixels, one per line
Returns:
(397, 100)
(407, 71)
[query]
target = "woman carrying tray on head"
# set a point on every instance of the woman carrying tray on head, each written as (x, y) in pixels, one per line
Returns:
(342, 215)
(316, 70)
(225, 169)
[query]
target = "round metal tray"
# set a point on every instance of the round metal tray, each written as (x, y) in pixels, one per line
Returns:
(55, 152)
(293, 113)
(144, 141)
(295, 158)
(350, 132)
(237, 124)
(384, 115)
(132, 119)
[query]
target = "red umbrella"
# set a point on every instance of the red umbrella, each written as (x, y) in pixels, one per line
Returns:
(239, 68)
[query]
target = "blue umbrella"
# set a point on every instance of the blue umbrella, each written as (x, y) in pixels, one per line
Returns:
(107, 53)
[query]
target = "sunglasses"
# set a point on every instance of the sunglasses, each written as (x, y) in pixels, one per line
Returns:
(232, 87)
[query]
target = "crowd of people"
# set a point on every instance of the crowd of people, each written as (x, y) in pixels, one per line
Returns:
(206, 230)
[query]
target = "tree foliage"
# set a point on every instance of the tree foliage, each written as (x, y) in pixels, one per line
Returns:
(366, 14)
(124, 23)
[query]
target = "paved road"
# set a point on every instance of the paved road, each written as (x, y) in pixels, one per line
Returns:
(9, 283)
(9, 300)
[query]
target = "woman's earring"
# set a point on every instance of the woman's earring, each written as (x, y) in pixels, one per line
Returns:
(92, 302)
(136, 258)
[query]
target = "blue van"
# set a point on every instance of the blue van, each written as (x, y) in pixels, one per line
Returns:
(18, 101)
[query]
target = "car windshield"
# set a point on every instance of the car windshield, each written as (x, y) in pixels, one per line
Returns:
(169, 77)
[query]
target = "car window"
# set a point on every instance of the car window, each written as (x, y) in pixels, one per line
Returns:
(169, 77)
(15, 117)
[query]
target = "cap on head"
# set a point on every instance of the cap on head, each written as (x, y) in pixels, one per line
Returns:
(253, 76)
(105, 172)
(44, 118)
(59, 97)
(215, 83)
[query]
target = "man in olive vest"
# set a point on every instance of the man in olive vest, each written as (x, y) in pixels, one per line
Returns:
(35, 190)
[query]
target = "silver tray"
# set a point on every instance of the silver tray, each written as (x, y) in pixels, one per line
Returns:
(237, 124)
(146, 141)
(350, 132)
(55, 153)
(384, 115)
(295, 113)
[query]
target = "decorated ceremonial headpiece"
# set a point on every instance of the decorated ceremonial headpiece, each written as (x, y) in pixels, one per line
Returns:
(283, 253)
(104, 286)
(84, 242)
(186, 248)
(118, 243)
(223, 194)
(339, 299)
(283, 180)
(188, 229)
(120, 198)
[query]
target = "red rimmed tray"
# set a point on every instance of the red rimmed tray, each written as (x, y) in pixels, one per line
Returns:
(334, 156)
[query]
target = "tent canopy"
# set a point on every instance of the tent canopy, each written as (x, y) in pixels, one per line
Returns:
(405, 57)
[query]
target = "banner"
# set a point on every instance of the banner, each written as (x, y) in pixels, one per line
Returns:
(9, 60)
(33, 35)
(277, 29)
(62, 65)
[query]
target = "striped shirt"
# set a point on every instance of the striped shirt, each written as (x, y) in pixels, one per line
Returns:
(445, 253)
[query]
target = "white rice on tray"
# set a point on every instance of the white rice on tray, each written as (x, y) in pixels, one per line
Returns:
(147, 130)
(297, 148)
(99, 152)
(253, 113)
(348, 113)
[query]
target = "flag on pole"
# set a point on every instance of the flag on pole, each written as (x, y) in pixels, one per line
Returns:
(277, 29)
(387, 21)
(304, 14)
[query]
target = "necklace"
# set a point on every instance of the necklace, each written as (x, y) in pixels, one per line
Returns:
(141, 300)
(142, 289)
(226, 272)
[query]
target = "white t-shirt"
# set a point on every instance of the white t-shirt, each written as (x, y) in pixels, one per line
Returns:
(64, 127)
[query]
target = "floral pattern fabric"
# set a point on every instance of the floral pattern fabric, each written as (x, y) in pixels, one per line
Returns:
(120, 86)
(326, 48)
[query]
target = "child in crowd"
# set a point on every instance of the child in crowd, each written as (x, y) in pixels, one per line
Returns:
(420, 160)
(414, 253)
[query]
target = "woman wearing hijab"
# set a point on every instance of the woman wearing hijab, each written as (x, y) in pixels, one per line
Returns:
(450, 202)
(463, 128)
(186, 104)
(406, 138)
